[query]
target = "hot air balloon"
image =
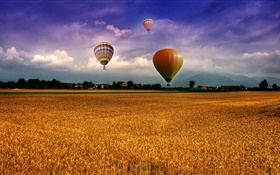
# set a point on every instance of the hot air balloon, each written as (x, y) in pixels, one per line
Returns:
(148, 24)
(103, 52)
(168, 62)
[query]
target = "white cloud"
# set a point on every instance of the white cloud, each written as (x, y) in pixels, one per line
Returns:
(57, 58)
(117, 65)
(1, 52)
(257, 63)
(60, 59)
(117, 31)
(256, 55)
(14, 56)
(136, 66)
(99, 22)
(262, 55)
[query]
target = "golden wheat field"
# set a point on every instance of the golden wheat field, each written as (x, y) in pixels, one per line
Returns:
(140, 133)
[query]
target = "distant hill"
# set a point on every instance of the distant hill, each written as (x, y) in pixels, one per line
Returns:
(218, 79)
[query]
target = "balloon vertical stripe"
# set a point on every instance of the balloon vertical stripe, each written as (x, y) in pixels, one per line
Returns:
(103, 52)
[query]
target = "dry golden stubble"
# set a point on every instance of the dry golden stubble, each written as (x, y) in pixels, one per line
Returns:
(219, 133)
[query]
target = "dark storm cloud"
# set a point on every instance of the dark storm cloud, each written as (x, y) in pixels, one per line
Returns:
(241, 25)
(33, 23)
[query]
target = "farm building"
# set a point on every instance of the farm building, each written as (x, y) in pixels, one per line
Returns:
(78, 85)
(124, 85)
(103, 86)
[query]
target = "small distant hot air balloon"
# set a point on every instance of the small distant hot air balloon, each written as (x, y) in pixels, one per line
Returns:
(103, 52)
(168, 62)
(148, 24)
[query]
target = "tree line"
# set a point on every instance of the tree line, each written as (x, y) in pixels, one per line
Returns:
(35, 84)
(56, 84)
(263, 85)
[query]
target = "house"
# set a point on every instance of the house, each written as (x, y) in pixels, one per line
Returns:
(103, 86)
(206, 87)
(78, 85)
(92, 86)
(124, 85)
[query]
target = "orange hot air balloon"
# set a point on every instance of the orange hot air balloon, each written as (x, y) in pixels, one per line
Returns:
(168, 62)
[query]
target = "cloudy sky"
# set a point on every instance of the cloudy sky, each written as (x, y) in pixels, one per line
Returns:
(54, 39)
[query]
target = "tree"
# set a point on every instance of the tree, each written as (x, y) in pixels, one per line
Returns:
(156, 86)
(21, 83)
(43, 84)
(55, 84)
(119, 84)
(191, 84)
(90, 85)
(137, 86)
(85, 85)
(274, 86)
(130, 84)
(33, 83)
(114, 85)
(147, 86)
(11, 84)
(263, 84)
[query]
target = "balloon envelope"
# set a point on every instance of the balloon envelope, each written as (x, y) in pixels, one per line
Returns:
(103, 52)
(148, 24)
(168, 62)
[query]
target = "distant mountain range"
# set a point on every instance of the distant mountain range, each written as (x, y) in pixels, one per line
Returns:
(218, 79)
